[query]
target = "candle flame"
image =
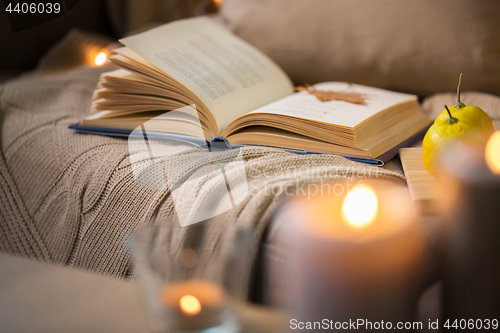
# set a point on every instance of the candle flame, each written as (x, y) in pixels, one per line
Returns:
(492, 153)
(101, 59)
(190, 305)
(218, 2)
(360, 206)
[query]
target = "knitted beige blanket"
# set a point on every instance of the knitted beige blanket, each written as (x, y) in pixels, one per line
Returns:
(70, 198)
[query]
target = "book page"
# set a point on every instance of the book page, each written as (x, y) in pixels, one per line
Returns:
(307, 106)
(229, 76)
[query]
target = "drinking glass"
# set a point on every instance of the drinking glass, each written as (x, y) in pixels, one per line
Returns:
(191, 276)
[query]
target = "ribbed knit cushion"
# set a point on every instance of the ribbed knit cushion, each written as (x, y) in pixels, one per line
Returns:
(415, 46)
(490, 104)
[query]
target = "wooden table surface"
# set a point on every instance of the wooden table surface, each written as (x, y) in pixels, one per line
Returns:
(424, 187)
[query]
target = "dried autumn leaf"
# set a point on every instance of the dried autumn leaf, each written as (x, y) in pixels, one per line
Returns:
(328, 95)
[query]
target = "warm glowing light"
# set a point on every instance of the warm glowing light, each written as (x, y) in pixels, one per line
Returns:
(492, 153)
(101, 59)
(360, 206)
(188, 258)
(218, 2)
(190, 305)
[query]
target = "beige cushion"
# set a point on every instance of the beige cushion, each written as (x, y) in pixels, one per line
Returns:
(417, 46)
(433, 105)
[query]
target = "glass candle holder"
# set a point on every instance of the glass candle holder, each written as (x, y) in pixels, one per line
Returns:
(185, 272)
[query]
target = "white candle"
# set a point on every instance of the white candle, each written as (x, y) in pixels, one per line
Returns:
(472, 231)
(193, 305)
(492, 153)
(356, 255)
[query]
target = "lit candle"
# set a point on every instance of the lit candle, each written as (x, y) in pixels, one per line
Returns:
(218, 2)
(193, 305)
(356, 255)
(100, 59)
(472, 225)
(492, 153)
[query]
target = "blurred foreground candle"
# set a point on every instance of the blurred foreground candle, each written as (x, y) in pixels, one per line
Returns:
(186, 282)
(356, 256)
(472, 224)
(492, 153)
(193, 305)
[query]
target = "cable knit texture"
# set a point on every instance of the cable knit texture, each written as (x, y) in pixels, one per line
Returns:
(70, 198)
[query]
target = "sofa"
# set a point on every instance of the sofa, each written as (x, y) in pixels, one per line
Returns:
(70, 198)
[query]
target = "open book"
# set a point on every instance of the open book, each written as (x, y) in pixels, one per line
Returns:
(242, 97)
